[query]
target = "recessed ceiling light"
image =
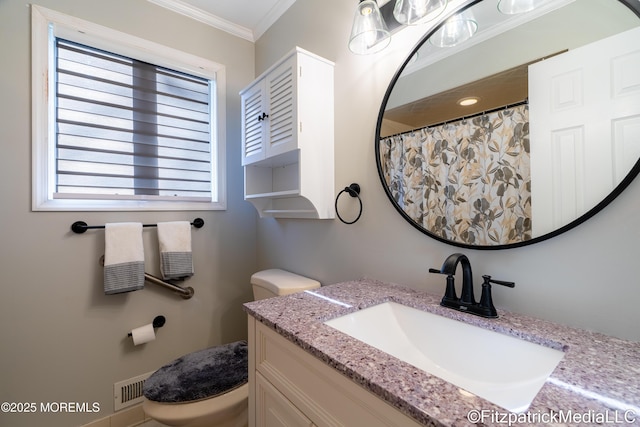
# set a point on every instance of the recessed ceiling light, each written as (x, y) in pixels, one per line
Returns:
(468, 101)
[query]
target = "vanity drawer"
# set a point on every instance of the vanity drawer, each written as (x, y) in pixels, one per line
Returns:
(324, 395)
(274, 409)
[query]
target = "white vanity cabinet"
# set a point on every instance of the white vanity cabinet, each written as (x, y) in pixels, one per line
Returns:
(287, 138)
(289, 387)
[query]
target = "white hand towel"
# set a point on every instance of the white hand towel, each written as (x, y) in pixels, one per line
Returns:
(123, 258)
(176, 260)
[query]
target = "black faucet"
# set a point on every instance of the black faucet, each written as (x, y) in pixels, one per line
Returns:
(467, 302)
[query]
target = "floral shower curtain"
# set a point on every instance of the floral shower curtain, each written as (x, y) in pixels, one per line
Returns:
(466, 181)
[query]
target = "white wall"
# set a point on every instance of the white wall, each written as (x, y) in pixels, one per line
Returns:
(584, 278)
(61, 338)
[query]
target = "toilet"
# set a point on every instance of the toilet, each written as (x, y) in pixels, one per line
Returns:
(209, 387)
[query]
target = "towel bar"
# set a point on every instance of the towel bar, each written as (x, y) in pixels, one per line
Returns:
(80, 227)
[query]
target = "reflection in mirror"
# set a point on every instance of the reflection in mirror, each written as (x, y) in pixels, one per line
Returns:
(549, 135)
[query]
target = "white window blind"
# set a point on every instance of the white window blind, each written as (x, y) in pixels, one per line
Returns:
(127, 129)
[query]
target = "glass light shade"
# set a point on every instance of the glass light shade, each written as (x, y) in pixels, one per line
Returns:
(369, 33)
(455, 30)
(513, 7)
(413, 12)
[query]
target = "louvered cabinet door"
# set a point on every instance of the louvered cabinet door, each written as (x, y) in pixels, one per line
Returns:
(282, 99)
(254, 129)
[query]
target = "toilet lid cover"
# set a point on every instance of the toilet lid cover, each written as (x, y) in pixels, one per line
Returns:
(199, 375)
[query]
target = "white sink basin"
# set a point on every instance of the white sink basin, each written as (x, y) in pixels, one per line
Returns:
(499, 368)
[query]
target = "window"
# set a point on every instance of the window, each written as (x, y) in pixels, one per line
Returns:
(121, 123)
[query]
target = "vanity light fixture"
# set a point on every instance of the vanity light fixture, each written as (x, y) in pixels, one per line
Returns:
(373, 24)
(414, 12)
(455, 30)
(369, 33)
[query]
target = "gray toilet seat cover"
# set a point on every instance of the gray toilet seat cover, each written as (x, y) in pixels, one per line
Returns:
(200, 375)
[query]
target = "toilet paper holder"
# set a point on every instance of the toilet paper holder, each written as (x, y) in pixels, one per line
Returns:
(158, 322)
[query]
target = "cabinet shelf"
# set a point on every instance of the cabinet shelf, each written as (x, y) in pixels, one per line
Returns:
(273, 195)
(286, 204)
(290, 213)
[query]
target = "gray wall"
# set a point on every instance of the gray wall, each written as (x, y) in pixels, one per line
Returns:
(61, 338)
(584, 278)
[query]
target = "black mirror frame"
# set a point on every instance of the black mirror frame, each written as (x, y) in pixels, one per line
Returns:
(635, 8)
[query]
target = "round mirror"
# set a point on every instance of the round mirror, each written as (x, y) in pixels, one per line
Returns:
(520, 132)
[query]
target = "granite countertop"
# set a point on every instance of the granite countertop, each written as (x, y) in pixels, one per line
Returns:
(596, 383)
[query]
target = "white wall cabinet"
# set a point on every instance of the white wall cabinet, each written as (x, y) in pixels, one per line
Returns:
(289, 387)
(287, 138)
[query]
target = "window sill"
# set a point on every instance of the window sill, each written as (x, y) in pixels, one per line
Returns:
(125, 205)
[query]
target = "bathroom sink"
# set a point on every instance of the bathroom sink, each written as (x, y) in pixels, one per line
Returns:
(502, 369)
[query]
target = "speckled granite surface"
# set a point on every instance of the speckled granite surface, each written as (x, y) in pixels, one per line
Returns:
(596, 383)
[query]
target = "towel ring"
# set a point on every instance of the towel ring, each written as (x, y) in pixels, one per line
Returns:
(354, 191)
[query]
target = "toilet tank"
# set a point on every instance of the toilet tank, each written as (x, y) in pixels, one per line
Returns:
(276, 282)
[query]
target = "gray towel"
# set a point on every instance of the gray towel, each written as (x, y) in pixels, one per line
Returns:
(176, 260)
(123, 258)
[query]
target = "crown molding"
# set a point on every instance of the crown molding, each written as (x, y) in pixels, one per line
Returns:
(276, 12)
(185, 9)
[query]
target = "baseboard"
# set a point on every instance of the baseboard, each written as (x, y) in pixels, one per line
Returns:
(130, 417)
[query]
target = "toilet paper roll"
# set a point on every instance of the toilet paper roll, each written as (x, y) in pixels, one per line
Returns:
(143, 334)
